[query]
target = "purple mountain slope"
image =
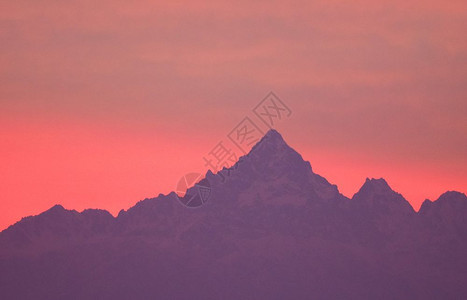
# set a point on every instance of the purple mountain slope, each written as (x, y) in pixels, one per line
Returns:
(272, 229)
(377, 198)
(447, 215)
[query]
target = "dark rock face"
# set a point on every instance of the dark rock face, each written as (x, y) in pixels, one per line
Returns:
(272, 229)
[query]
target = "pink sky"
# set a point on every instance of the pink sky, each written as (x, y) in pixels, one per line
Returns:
(104, 104)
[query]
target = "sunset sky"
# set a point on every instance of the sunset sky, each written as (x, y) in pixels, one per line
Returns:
(104, 103)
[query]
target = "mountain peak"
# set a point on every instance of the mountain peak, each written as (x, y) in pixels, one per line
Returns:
(449, 203)
(273, 134)
(275, 166)
(273, 154)
(452, 196)
(272, 141)
(56, 207)
(57, 211)
(378, 186)
(378, 194)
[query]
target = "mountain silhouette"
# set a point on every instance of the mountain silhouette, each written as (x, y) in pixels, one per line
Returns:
(271, 229)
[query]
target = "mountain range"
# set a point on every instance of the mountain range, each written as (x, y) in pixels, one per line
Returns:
(271, 229)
